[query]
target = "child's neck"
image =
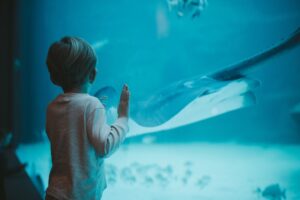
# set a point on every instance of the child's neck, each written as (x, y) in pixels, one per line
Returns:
(81, 89)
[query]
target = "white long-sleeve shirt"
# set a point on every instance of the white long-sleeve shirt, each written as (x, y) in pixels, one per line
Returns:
(80, 140)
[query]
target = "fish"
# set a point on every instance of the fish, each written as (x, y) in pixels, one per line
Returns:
(274, 192)
(295, 113)
(107, 95)
(203, 96)
(183, 8)
(100, 44)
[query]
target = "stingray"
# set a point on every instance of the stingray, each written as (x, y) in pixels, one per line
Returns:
(200, 97)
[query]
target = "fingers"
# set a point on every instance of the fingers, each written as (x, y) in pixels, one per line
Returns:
(125, 93)
(125, 87)
(124, 102)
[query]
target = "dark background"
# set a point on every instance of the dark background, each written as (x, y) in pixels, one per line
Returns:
(6, 57)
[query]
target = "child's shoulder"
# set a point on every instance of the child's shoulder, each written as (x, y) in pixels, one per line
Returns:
(76, 100)
(93, 102)
(88, 101)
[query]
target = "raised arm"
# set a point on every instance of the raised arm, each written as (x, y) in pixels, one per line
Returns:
(106, 139)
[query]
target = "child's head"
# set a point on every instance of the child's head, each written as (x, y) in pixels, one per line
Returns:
(71, 63)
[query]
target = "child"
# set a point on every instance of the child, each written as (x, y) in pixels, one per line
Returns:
(76, 124)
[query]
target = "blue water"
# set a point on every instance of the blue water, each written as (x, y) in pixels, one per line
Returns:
(147, 46)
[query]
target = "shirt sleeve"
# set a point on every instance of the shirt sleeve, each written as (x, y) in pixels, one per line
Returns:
(105, 138)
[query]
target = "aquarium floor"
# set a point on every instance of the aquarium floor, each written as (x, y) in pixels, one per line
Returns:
(189, 171)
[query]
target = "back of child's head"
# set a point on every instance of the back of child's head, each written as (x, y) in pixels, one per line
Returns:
(70, 61)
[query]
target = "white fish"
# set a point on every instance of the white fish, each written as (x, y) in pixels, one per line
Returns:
(201, 97)
(100, 44)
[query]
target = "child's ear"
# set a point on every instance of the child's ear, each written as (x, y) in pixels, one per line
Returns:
(92, 76)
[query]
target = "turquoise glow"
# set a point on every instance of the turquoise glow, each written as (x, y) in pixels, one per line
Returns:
(215, 139)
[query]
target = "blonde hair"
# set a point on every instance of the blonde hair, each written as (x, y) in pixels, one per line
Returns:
(70, 61)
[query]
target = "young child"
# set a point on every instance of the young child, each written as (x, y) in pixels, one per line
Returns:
(76, 124)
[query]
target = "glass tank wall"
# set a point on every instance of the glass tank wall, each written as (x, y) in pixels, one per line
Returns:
(215, 101)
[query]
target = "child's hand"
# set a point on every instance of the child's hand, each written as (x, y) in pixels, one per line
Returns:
(124, 102)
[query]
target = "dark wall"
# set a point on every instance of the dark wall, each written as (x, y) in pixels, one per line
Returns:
(16, 99)
(6, 63)
(24, 71)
